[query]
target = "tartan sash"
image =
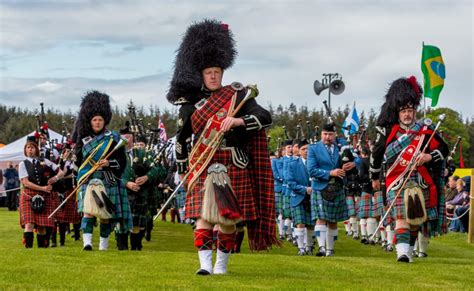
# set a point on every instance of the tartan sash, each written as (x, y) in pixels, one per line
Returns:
(208, 142)
(405, 147)
(95, 150)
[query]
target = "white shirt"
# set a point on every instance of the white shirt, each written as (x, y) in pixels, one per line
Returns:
(23, 173)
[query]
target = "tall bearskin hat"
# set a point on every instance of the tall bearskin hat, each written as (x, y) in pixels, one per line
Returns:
(94, 103)
(205, 44)
(403, 93)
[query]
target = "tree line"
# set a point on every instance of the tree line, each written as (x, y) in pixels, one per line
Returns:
(16, 122)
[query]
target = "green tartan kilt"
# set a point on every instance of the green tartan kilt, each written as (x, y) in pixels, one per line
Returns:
(331, 211)
(153, 200)
(286, 207)
(278, 203)
(302, 215)
(118, 195)
(365, 206)
(351, 206)
(139, 207)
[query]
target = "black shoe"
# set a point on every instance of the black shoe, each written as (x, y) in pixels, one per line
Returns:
(202, 272)
(403, 259)
(301, 252)
(321, 252)
(364, 240)
(87, 248)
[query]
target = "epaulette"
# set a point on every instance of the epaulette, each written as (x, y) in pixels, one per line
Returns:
(181, 101)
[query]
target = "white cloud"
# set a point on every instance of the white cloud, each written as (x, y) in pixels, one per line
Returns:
(283, 45)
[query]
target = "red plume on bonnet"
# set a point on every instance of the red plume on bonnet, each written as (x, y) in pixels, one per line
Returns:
(414, 84)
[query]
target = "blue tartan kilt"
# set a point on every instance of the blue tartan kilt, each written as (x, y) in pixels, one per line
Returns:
(278, 203)
(351, 206)
(286, 207)
(331, 211)
(119, 197)
(365, 206)
(302, 215)
(180, 198)
(377, 205)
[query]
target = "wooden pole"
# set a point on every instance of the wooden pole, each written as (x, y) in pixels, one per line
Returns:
(470, 234)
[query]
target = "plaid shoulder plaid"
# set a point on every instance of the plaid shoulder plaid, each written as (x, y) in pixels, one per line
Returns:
(395, 147)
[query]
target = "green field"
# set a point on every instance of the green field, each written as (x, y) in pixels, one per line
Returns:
(170, 260)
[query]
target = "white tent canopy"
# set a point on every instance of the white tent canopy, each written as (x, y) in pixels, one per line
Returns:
(14, 151)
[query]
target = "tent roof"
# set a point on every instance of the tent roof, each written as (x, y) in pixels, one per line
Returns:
(14, 151)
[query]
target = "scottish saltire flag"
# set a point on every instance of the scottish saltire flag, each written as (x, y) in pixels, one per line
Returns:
(352, 120)
(163, 135)
(434, 71)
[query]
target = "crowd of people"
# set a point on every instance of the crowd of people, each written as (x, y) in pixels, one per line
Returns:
(390, 191)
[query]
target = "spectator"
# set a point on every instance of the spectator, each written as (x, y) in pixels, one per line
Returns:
(11, 182)
(451, 188)
(460, 200)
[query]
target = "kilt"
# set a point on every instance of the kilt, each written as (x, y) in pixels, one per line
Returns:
(331, 211)
(118, 195)
(27, 215)
(302, 215)
(377, 204)
(278, 203)
(241, 184)
(139, 208)
(365, 206)
(153, 201)
(68, 212)
(351, 205)
(286, 208)
(180, 198)
(398, 209)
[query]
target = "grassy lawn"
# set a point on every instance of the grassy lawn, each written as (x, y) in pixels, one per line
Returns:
(170, 260)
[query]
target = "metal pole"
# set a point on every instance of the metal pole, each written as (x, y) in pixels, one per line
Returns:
(329, 92)
(470, 234)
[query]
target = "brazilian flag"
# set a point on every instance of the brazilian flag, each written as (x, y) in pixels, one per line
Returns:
(434, 72)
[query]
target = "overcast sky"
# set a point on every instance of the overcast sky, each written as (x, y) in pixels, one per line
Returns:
(54, 51)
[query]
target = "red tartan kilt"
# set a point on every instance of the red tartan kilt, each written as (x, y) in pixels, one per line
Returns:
(27, 215)
(241, 183)
(68, 212)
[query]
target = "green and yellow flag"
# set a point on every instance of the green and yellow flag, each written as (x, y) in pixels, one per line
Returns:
(434, 72)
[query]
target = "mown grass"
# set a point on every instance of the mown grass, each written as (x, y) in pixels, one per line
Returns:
(170, 260)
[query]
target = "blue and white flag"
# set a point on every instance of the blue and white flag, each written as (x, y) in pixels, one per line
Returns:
(352, 119)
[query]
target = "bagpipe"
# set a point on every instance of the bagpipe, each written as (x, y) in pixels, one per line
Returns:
(204, 149)
(409, 159)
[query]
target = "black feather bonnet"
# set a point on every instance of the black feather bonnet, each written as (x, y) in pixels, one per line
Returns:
(93, 104)
(205, 44)
(403, 93)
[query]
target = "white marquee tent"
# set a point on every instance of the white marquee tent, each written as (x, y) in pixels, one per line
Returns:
(14, 151)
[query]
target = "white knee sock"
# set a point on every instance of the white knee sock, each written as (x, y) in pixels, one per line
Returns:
(87, 239)
(288, 226)
(383, 233)
(422, 242)
(390, 236)
(363, 227)
(300, 237)
(205, 260)
(347, 225)
(354, 225)
(104, 243)
(371, 226)
(331, 237)
(403, 249)
(281, 224)
(222, 259)
(320, 231)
